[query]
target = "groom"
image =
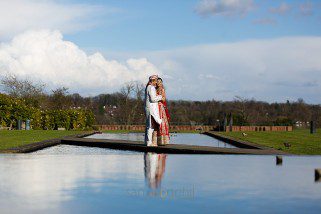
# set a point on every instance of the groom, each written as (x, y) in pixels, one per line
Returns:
(152, 112)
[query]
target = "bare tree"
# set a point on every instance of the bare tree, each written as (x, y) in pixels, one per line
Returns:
(32, 92)
(131, 105)
(124, 105)
(240, 105)
(21, 88)
(137, 110)
(59, 98)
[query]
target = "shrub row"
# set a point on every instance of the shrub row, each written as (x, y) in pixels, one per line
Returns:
(12, 110)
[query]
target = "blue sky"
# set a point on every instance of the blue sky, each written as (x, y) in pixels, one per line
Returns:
(267, 50)
(155, 25)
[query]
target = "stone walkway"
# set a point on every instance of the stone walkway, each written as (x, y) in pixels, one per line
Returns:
(169, 149)
(78, 140)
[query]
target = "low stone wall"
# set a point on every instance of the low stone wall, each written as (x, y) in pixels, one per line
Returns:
(142, 128)
(174, 128)
(259, 128)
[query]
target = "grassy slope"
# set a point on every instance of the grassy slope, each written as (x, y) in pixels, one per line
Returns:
(302, 142)
(9, 139)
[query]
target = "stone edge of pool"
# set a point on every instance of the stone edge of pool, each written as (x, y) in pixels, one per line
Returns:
(32, 147)
(234, 142)
(79, 140)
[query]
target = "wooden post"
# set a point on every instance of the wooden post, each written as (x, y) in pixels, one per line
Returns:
(313, 129)
(224, 123)
(279, 160)
(317, 175)
(231, 122)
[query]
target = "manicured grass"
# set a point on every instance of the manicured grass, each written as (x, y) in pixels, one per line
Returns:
(302, 142)
(14, 138)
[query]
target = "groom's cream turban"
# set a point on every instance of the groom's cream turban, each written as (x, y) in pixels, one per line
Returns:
(153, 77)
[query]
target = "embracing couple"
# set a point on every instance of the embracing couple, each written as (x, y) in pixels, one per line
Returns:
(157, 116)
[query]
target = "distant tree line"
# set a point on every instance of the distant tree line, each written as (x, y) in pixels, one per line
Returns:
(127, 106)
(114, 109)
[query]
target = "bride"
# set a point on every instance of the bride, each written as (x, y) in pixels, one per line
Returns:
(163, 130)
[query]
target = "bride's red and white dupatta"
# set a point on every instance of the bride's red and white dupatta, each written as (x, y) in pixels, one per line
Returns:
(163, 131)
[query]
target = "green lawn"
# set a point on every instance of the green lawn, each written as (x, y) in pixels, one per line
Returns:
(302, 142)
(14, 138)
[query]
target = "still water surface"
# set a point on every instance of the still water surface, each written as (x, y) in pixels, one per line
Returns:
(71, 179)
(179, 138)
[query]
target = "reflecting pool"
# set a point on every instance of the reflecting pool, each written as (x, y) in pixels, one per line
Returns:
(175, 138)
(67, 179)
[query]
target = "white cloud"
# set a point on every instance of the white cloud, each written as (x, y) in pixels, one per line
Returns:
(44, 55)
(283, 8)
(224, 7)
(43, 185)
(207, 77)
(20, 15)
(268, 69)
(265, 21)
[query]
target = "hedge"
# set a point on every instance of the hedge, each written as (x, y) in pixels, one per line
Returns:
(13, 109)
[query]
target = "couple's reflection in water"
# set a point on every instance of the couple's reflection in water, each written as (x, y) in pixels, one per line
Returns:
(154, 168)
